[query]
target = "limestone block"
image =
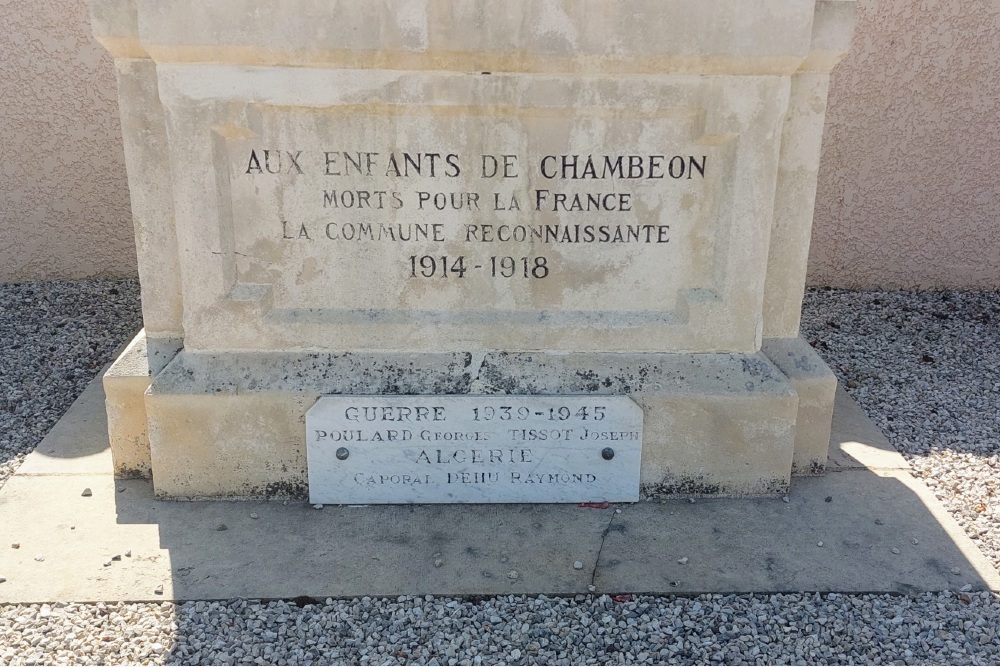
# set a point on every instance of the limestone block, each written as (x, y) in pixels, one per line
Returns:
(331, 197)
(281, 260)
(115, 25)
(713, 424)
(816, 386)
(237, 445)
(229, 81)
(125, 383)
(795, 193)
(763, 37)
(145, 141)
(233, 425)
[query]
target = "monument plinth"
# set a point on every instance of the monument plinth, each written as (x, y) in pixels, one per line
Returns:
(366, 205)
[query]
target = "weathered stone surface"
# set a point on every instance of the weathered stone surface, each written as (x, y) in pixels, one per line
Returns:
(713, 424)
(289, 257)
(579, 198)
(269, 276)
(795, 195)
(816, 386)
(125, 383)
(748, 37)
(234, 424)
(150, 189)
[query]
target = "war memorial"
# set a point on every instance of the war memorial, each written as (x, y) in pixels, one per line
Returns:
(448, 254)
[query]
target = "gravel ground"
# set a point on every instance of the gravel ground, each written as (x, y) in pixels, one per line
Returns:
(728, 629)
(925, 366)
(54, 338)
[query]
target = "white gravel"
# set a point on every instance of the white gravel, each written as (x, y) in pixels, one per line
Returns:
(729, 629)
(54, 338)
(925, 366)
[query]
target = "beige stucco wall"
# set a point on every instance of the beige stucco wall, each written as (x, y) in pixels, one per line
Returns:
(908, 191)
(65, 207)
(909, 186)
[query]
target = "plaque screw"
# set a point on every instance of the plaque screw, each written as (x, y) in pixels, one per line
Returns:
(343, 453)
(607, 453)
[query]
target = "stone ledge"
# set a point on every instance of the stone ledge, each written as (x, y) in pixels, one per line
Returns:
(707, 37)
(125, 384)
(816, 386)
(232, 425)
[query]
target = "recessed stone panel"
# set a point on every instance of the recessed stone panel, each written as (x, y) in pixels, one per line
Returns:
(503, 212)
(454, 209)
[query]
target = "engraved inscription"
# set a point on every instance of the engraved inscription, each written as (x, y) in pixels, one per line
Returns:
(388, 172)
(339, 212)
(402, 449)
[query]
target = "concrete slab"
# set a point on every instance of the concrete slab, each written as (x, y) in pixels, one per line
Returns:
(855, 441)
(808, 544)
(78, 443)
(761, 545)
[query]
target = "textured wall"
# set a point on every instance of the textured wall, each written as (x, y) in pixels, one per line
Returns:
(909, 187)
(908, 190)
(65, 206)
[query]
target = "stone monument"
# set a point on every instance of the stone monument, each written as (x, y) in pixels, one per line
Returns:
(461, 251)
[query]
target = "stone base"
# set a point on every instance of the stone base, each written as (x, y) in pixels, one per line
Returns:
(233, 425)
(816, 386)
(125, 385)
